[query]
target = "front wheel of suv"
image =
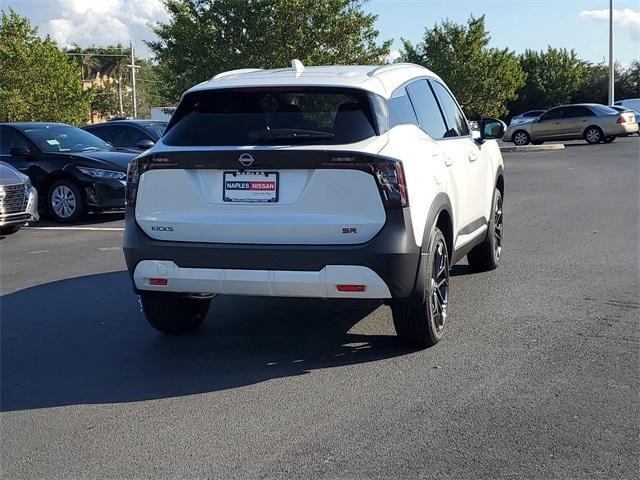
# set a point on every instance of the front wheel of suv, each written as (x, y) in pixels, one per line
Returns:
(174, 313)
(486, 256)
(420, 322)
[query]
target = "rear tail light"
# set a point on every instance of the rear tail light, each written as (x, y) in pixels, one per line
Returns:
(621, 119)
(137, 167)
(388, 173)
(133, 176)
(158, 282)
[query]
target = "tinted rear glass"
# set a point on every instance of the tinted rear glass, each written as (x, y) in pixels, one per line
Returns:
(274, 116)
(155, 130)
(602, 109)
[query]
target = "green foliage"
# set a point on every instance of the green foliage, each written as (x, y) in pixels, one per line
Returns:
(483, 79)
(206, 37)
(554, 77)
(37, 80)
(595, 86)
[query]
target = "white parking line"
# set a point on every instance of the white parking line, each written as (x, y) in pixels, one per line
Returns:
(88, 229)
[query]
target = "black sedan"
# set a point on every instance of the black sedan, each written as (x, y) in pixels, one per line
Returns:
(134, 135)
(73, 170)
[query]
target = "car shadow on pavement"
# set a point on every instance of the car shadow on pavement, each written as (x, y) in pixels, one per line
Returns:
(94, 219)
(84, 341)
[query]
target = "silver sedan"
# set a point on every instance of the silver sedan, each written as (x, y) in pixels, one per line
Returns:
(589, 121)
(18, 200)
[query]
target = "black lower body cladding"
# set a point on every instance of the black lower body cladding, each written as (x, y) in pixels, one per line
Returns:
(392, 253)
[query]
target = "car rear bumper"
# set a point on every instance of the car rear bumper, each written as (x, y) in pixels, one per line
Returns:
(387, 265)
(333, 281)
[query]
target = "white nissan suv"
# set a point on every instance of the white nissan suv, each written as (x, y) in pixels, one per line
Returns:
(324, 182)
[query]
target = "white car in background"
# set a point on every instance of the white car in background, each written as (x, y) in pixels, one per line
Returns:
(325, 182)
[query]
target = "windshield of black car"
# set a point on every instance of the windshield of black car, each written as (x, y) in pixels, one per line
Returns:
(155, 130)
(64, 138)
(273, 116)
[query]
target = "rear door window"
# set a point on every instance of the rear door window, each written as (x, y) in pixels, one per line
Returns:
(125, 136)
(553, 114)
(273, 116)
(456, 120)
(427, 109)
(400, 109)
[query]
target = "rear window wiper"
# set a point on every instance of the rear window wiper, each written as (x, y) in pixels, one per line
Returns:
(262, 136)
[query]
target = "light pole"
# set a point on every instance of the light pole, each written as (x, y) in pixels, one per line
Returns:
(611, 60)
(133, 67)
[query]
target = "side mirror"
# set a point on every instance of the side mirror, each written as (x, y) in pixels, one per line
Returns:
(145, 144)
(19, 151)
(491, 128)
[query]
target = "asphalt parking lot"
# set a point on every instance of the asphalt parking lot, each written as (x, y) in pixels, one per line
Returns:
(537, 376)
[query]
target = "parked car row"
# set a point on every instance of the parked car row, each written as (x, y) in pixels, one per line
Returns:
(592, 122)
(74, 170)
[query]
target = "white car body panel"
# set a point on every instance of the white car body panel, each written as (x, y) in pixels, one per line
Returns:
(314, 207)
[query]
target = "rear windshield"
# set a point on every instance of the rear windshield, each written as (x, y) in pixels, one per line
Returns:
(602, 109)
(274, 116)
(155, 130)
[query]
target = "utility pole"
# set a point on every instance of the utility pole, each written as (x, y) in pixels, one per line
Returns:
(120, 94)
(611, 59)
(133, 79)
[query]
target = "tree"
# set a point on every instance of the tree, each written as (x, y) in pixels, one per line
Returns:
(554, 77)
(37, 80)
(206, 37)
(483, 79)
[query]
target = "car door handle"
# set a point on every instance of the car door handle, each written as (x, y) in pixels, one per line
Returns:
(447, 159)
(473, 156)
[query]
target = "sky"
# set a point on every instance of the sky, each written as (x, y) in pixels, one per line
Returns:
(517, 25)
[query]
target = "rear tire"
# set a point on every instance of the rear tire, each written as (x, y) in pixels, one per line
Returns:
(486, 256)
(537, 142)
(174, 313)
(593, 135)
(609, 139)
(521, 138)
(420, 321)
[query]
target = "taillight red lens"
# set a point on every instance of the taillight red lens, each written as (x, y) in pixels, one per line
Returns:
(160, 282)
(621, 119)
(402, 185)
(351, 288)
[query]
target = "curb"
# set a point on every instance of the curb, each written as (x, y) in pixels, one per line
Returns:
(533, 148)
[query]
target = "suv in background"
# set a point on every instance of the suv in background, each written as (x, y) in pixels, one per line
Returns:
(325, 182)
(589, 121)
(134, 135)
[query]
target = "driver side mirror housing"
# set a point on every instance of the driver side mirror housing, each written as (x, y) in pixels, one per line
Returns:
(491, 128)
(19, 151)
(145, 144)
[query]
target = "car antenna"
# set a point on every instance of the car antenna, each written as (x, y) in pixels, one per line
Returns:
(297, 66)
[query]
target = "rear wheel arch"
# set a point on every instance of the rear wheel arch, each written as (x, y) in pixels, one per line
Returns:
(440, 215)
